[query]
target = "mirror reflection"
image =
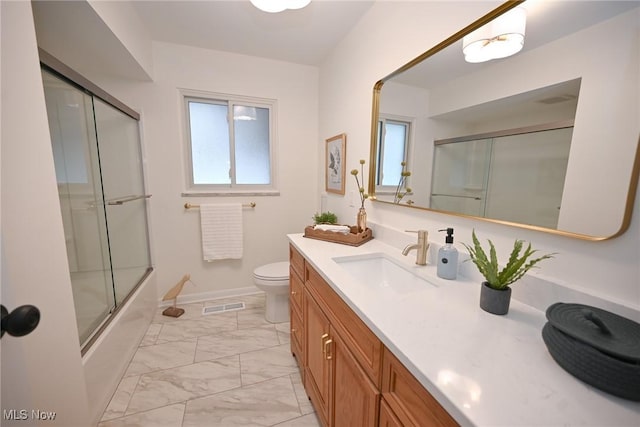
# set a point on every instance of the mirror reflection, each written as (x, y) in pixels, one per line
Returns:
(546, 137)
(517, 177)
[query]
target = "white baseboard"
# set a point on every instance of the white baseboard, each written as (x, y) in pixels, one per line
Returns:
(211, 295)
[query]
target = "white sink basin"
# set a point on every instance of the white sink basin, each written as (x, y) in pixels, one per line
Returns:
(380, 270)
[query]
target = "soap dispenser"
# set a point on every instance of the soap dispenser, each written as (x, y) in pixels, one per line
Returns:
(448, 258)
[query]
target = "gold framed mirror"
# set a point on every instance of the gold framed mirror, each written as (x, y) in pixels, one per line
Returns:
(546, 139)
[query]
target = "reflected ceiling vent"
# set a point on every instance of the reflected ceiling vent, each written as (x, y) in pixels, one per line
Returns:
(557, 99)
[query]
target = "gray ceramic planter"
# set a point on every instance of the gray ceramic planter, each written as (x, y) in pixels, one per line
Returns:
(493, 300)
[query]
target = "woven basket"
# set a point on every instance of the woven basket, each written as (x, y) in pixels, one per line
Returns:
(617, 371)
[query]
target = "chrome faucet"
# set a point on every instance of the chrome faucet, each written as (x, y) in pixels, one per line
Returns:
(421, 247)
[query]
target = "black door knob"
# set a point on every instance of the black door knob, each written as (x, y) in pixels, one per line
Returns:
(20, 321)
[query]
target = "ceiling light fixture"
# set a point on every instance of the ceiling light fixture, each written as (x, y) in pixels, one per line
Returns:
(502, 37)
(275, 6)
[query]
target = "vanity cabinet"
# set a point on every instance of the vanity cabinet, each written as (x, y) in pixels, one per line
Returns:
(350, 377)
(343, 392)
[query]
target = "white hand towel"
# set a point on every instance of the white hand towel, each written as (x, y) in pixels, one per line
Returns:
(344, 229)
(221, 231)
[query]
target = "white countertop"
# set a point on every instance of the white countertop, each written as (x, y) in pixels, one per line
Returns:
(485, 370)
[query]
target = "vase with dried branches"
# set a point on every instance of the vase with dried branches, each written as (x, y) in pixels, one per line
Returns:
(361, 219)
(401, 188)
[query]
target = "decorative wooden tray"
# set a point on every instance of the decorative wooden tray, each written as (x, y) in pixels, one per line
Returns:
(352, 239)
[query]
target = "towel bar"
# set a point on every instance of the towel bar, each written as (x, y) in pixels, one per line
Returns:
(192, 205)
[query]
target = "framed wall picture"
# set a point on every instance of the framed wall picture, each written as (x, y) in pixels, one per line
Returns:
(335, 164)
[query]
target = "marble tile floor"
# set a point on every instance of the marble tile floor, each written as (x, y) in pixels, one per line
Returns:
(226, 369)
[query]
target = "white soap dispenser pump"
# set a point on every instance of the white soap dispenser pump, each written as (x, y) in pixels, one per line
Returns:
(448, 258)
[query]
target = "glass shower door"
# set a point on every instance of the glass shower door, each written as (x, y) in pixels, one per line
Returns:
(460, 172)
(517, 177)
(98, 163)
(73, 139)
(527, 175)
(125, 199)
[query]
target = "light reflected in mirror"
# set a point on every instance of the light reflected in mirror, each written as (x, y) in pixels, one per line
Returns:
(544, 139)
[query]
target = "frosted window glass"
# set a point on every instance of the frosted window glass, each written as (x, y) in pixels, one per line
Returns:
(230, 143)
(252, 145)
(210, 153)
(395, 137)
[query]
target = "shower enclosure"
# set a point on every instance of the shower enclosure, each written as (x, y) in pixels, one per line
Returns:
(98, 162)
(517, 177)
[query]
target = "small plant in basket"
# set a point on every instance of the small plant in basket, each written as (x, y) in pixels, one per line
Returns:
(325, 218)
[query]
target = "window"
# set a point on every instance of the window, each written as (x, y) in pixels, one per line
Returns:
(393, 146)
(230, 143)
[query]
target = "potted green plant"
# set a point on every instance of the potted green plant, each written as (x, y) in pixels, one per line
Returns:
(495, 294)
(325, 218)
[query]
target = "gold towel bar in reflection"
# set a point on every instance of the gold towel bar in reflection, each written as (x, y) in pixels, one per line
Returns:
(192, 205)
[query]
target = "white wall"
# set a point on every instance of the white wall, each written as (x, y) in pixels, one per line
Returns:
(123, 21)
(176, 232)
(94, 37)
(387, 37)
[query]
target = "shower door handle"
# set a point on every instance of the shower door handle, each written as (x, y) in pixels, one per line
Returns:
(128, 199)
(456, 195)
(21, 321)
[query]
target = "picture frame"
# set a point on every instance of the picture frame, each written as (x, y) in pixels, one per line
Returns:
(336, 150)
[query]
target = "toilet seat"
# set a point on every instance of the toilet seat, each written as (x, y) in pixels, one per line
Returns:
(276, 272)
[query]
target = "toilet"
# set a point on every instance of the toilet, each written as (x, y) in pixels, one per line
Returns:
(273, 279)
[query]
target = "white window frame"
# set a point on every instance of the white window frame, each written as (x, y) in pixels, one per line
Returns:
(232, 189)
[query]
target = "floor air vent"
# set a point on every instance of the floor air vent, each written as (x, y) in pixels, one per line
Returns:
(221, 308)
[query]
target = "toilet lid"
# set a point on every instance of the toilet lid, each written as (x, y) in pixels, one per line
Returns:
(275, 271)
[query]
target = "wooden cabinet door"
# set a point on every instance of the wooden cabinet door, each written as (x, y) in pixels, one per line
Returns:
(296, 288)
(317, 378)
(296, 303)
(296, 260)
(362, 342)
(411, 403)
(387, 417)
(297, 339)
(355, 397)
